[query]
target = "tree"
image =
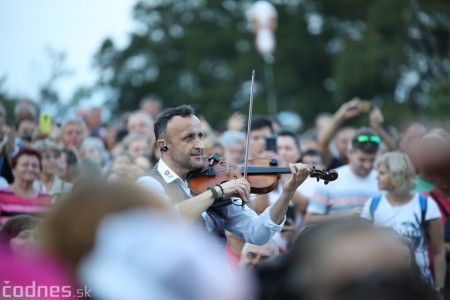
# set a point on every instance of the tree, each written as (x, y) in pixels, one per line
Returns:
(201, 52)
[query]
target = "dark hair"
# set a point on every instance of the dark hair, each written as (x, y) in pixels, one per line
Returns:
(292, 134)
(15, 225)
(312, 152)
(162, 120)
(259, 122)
(368, 147)
(290, 276)
(121, 134)
(25, 151)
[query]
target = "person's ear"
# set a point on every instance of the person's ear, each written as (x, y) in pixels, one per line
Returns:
(162, 145)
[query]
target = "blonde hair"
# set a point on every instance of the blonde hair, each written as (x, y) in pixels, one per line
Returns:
(400, 168)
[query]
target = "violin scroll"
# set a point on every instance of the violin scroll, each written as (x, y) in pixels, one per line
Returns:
(326, 176)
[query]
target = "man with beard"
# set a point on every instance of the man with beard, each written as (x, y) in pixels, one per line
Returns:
(179, 135)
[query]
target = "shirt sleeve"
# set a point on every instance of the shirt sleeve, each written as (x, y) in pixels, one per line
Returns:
(318, 204)
(254, 229)
(433, 211)
(365, 213)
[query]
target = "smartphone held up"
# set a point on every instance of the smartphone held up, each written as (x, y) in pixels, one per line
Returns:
(45, 123)
(271, 143)
(365, 106)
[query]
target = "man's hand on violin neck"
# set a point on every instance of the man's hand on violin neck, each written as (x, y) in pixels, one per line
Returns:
(299, 173)
(237, 188)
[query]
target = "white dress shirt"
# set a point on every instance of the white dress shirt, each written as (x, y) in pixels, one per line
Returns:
(245, 223)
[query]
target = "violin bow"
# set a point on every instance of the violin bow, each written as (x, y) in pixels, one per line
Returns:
(249, 127)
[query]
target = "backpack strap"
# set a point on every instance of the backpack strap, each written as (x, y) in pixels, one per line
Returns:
(423, 207)
(374, 205)
(441, 206)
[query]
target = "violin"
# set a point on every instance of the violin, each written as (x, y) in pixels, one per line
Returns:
(262, 174)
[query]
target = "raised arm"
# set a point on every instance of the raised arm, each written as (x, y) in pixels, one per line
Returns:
(299, 173)
(346, 111)
(376, 122)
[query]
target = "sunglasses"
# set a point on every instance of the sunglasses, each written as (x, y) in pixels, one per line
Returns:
(368, 138)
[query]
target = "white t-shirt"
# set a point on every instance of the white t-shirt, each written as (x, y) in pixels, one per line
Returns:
(406, 219)
(349, 191)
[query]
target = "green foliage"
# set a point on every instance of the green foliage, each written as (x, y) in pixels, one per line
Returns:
(8, 102)
(202, 52)
(439, 100)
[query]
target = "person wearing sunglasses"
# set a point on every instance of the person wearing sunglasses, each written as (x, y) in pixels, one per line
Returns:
(340, 134)
(357, 182)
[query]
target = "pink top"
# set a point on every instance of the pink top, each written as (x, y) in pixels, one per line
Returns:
(12, 205)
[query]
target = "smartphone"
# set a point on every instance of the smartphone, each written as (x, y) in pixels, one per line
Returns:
(364, 106)
(271, 143)
(45, 123)
(291, 213)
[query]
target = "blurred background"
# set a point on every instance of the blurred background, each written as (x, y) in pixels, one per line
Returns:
(67, 54)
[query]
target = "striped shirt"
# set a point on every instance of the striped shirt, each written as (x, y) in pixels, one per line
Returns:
(12, 205)
(348, 192)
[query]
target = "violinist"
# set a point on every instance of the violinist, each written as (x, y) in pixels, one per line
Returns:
(179, 135)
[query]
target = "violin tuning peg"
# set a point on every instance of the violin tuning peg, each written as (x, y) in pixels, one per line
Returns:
(273, 162)
(318, 179)
(326, 181)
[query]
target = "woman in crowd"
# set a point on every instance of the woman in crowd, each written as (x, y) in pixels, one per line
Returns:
(124, 169)
(69, 166)
(19, 234)
(136, 145)
(49, 181)
(73, 133)
(415, 217)
(22, 197)
(234, 146)
(94, 150)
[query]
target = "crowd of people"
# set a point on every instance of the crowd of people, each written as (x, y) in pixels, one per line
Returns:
(107, 211)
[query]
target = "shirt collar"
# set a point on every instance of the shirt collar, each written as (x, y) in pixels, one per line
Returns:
(166, 172)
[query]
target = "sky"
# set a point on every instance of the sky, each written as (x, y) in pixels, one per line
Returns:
(29, 28)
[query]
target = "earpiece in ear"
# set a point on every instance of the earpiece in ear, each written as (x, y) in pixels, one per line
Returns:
(164, 148)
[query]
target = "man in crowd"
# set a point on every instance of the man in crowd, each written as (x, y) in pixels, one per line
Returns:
(357, 182)
(261, 129)
(179, 135)
(349, 110)
(151, 104)
(253, 255)
(141, 123)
